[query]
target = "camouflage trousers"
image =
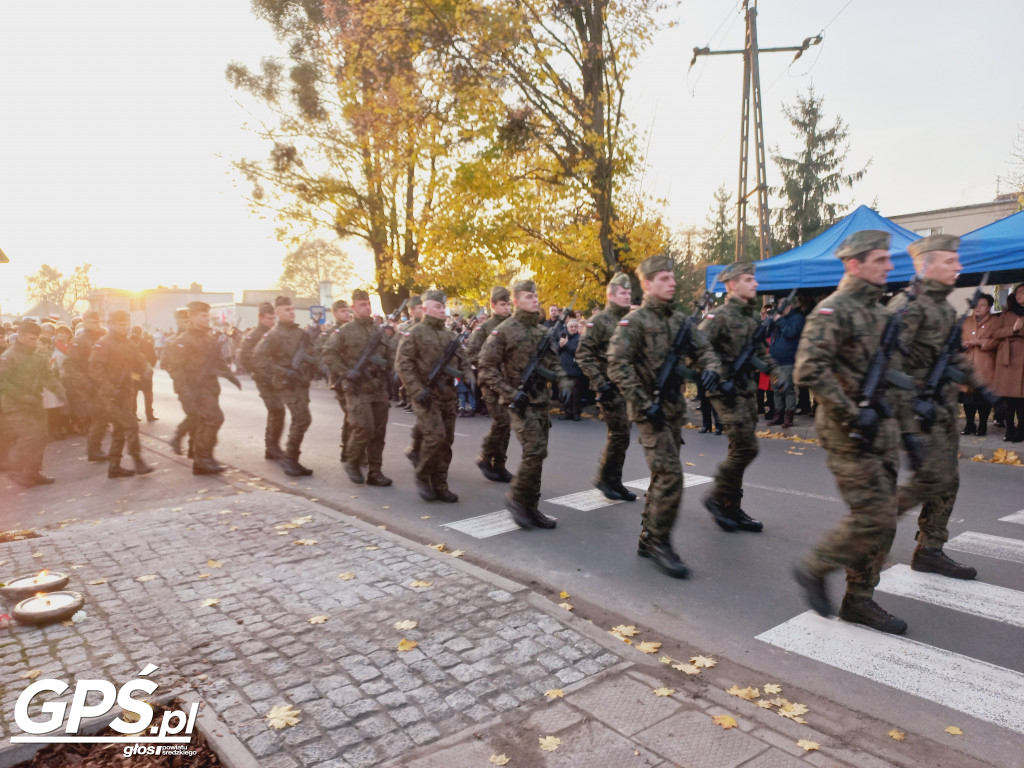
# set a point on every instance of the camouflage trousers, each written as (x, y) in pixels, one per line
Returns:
(867, 483)
(296, 400)
(369, 422)
(532, 432)
(275, 416)
(609, 466)
(665, 492)
(26, 435)
(935, 485)
(204, 419)
(437, 433)
(346, 426)
(120, 414)
(495, 445)
(98, 422)
(740, 422)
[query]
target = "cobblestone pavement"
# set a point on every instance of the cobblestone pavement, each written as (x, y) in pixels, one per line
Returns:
(488, 650)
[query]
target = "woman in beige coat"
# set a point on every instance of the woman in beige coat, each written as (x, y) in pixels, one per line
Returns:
(980, 345)
(1008, 381)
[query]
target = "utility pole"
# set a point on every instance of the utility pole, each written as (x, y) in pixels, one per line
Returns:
(752, 96)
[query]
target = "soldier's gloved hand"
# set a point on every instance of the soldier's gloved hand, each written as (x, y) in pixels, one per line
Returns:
(925, 412)
(608, 391)
(709, 381)
(423, 398)
(565, 397)
(864, 427)
(519, 401)
(655, 415)
(781, 383)
(354, 375)
(912, 445)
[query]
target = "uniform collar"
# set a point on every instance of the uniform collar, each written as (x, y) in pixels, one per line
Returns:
(433, 322)
(657, 305)
(935, 289)
(616, 311)
(287, 324)
(744, 306)
(860, 287)
(527, 318)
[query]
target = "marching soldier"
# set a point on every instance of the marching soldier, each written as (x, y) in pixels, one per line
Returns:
(24, 372)
(264, 383)
(116, 366)
(81, 388)
(342, 314)
(929, 429)
(592, 356)
(494, 450)
(282, 358)
(185, 426)
(420, 350)
(365, 387)
(639, 346)
(836, 350)
(728, 329)
(415, 316)
(144, 343)
(504, 356)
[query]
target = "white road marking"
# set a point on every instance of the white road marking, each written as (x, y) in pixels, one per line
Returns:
(973, 597)
(485, 526)
(792, 492)
(1016, 517)
(584, 501)
(986, 545)
(688, 480)
(967, 685)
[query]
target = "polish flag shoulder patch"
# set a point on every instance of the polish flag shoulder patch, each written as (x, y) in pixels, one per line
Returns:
(404, 333)
(710, 316)
(494, 332)
(590, 325)
(826, 311)
(623, 322)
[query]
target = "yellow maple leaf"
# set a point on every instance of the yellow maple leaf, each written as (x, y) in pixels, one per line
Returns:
(567, 606)
(648, 647)
(666, 659)
(438, 547)
(96, 582)
(624, 630)
(549, 743)
(749, 694)
(282, 716)
(563, 595)
(302, 520)
(807, 745)
(779, 701)
(406, 624)
(954, 731)
(978, 457)
(498, 759)
(792, 711)
(690, 464)
(203, 576)
(687, 669)
(210, 602)
(897, 735)
(703, 661)
(214, 563)
(147, 577)
(726, 721)
(424, 517)
(32, 674)
(317, 619)
(554, 693)
(663, 691)
(305, 542)
(456, 553)
(37, 554)
(372, 548)
(419, 583)
(764, 704)
(406, 645)
(346, 576)
(772, 688)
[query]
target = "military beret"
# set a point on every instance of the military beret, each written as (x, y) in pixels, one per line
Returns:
(650, 267)
(435, 295)
(339, 304)
(28, 327)
(198, 306)
(283, 301)
(120, 316)
(266, 308)
(499, 293)
(620, 279)
(415, 301)
(360, 295)
(92, 314)
(735, 270)
(136, 330)
(181, 313)
(862, 242)
(933, 243)
(524, 285)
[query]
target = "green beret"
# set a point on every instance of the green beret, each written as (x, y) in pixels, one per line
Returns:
(435, 295)
(360, 295)
(198, 306)
(266, 308)
(650, 267)
(28, 327)
(862, 242)
(283, 301)
(933, 243)
(735, 270)
(339, 304)
(181, 313)
(524, 285)
(620, 279)
(120, 316)
(499, 293)
(415, 301)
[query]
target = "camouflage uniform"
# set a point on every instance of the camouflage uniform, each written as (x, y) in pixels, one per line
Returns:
(416, 436)
(728, 328)
(115, 366)
(339, 392)
(273, 355)
(502, 359)
(265, 386)
(195, 357)
(81, 388)
(592, 357)
(836, 350)
(419, 351)
(494, 449)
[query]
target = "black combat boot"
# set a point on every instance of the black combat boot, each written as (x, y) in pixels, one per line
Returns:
(378, 478)
(520, 514)
(205, 466)
(98, 456)
(744, 521)
(354, 472)
(857, 609)
(721, 515)
(273, 453)
(412, 455)
(141, 467)
(934, 560)
(624, 492)
(444, 493)
(176, 442)
(662, 554)
(504, 476)
(609, 489)
(814, 590)
(114, 469)
(540, 520)
(487, 468)
(292, 468)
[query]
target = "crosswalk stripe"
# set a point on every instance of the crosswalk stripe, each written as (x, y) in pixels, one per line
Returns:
(584, 501)
(973, 597)
(974, 687)
(1016, 517)
(688, 480)
(986, 545)
(485, 526)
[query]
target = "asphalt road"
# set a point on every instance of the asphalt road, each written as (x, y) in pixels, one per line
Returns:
(953, 668)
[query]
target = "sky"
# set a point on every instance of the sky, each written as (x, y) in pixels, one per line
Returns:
(118, 127)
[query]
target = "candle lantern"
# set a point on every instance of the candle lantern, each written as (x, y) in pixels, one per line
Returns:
(47, 607)
(22, 587)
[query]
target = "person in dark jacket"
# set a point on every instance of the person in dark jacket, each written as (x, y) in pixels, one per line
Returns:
(785, 338)
(567, 346)
(144, 343)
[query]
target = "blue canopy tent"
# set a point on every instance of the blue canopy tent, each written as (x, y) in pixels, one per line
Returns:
(812, 264)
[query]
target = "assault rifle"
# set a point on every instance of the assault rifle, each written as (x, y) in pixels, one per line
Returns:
(746, 358)
(443, 363)
(367, 355)
(878, 374)
(924, 405)
(533, 367)
(216, 364)
(672, 365)
(301, 357)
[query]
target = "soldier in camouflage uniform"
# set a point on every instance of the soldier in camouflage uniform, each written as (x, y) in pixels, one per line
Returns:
(366, 390)
(418, 353)
(503, 357)
(81, 388)
(639, 346)
(185, 426)
(836, 350)
(404, 401)
(592, 357)
(494, 449)
(728, 329)
(116, 366)
(264, 383)
(930, 432)
(276, 356)
(24, 371)
(342, 314)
